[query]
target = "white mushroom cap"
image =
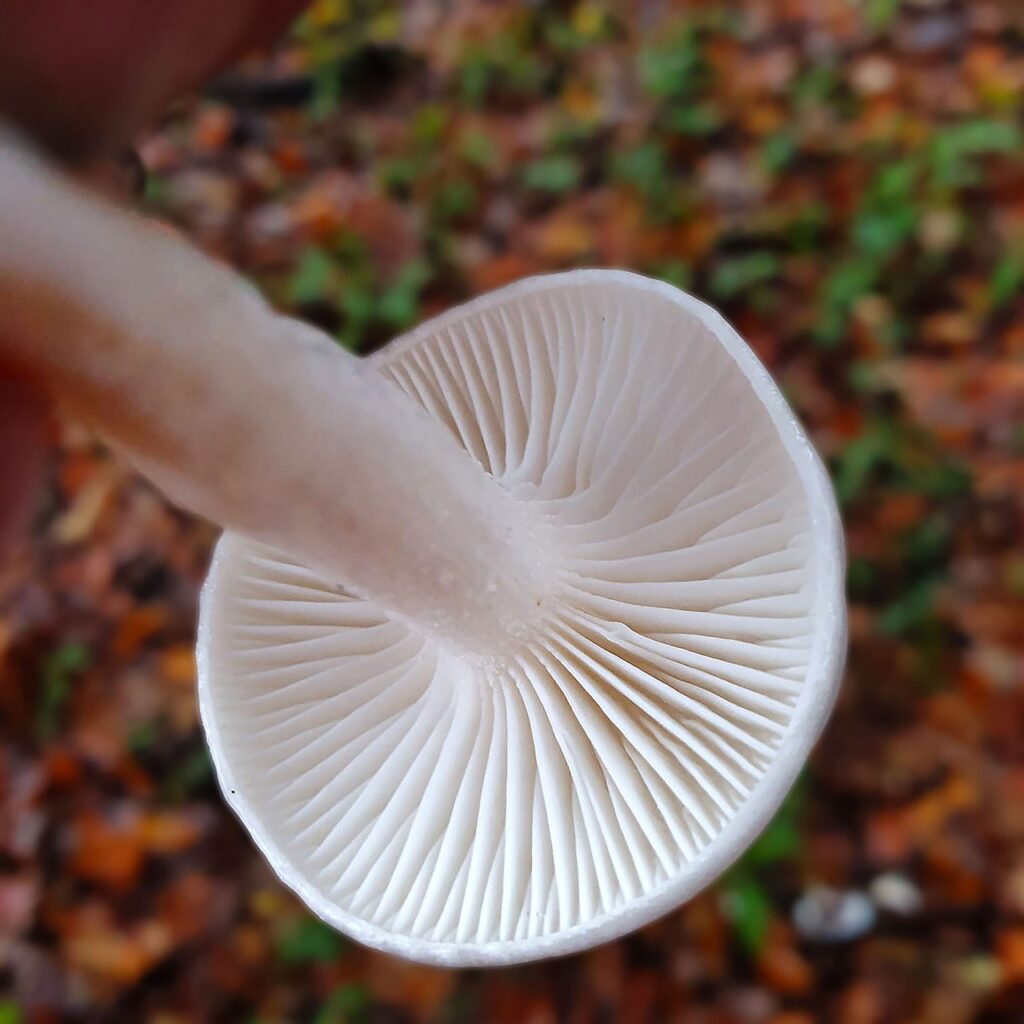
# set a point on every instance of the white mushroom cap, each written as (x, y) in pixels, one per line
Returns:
(677, 640)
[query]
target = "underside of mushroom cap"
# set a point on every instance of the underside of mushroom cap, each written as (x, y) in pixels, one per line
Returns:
(629, 739)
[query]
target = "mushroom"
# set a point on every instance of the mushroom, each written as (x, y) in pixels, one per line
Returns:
(530, 785)
(520, 630)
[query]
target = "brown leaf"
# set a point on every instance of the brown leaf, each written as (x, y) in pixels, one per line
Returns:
(109, 856)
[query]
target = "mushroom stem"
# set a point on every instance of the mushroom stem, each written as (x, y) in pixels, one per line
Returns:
(254, 420)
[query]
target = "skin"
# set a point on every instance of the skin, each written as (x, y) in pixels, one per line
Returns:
(81, 79)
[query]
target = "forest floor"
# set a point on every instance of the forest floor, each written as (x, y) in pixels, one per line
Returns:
(846, 182)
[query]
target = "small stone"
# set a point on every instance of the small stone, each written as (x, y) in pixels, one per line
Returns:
(830, 915)
(896, 894)
(872, 311)
(940, 230)
(731, 181)
(873, 75)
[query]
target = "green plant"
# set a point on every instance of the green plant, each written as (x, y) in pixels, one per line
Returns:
(453, 199)
(309, 941)
(311, 280)
(10, 1012)
(675, 272)
(398, 303)
(556, 173)
(192, 773)
(348, 1004)
(737, 274)
(59, 670)
(852, 279)
(477, 149)
(778, 152)
(695, 119)
(645, 168)
(335, 33)
(749, 909)
(880, 14)
(673, 69)
(1007, 279)
(954, 150)
(744, 888)
(509, 66)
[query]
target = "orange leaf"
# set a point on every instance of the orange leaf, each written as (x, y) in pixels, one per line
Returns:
(105, 855)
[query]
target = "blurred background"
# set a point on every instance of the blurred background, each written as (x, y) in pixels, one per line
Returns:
(845, 180)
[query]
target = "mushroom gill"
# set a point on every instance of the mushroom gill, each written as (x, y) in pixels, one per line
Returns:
(611, 747)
